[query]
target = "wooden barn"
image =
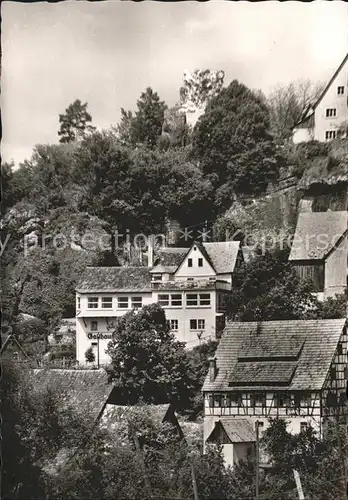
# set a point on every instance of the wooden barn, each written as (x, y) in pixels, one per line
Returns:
(319, 251)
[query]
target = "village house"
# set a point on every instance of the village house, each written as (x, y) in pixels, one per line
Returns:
(289, 369)
(320, 251)
(188, 283)
(327, 118)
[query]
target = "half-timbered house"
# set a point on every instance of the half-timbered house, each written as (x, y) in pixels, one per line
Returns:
(319, 251)
(288, 369)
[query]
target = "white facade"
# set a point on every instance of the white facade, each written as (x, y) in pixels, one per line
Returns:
(189, 295)
(330, 112)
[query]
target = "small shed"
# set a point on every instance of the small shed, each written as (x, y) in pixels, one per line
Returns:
(237, 437)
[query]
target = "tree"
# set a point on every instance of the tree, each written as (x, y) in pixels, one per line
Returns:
(74, 123)
(288, 103)
(147, 362)
(267, 288)
(233, 143)
(145, 126)
(89, 355)
(319, 461)
(20, 477)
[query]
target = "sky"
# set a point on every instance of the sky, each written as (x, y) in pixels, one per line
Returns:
(107, 53)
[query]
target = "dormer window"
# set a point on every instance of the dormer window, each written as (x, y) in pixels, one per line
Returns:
(157, 277)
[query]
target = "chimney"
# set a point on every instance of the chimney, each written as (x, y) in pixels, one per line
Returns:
(150, 249)
(212, 369)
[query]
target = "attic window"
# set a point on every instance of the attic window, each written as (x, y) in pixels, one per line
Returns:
(333, 372)
(340, 90)
(189, 262)
(200, 262)
(340, 348)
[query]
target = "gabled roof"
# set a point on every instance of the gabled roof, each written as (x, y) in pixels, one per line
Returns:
(311, 366)
(317, 233)
(238, 430)
(345, 59)
(222, 256)
(115, 279)
(168, 259)
(87, 391)
(311, 108)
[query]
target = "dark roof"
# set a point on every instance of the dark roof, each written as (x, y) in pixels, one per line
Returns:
(115, 279)
(312, 107)
(221, 255)
(262, 373)
(320, 342)
(170, 257)
(238, 430)
(263, 349)
(317, 233)
(87, 391)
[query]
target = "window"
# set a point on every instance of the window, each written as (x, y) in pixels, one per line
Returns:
(233, 399)
(330, 112)
(174, 324)
(303, 426)
(197, 324)
(163, 299)
(93, 302)
(122, 302)
(340, 90)
(211, 401)
(137, 302)
(200, 262)
(157, 277)
(330, 134)
(333, 372)
(106, 302)
(283, 400)
(339, 348)
(94, 325)
(78, 305)
(260, 425)
(176, 299)
(191, 299)
(217, 400)
(204, 299)
(189, 262)
(189, 279)
(257, 400)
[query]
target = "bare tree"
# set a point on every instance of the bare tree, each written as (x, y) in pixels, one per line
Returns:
(288, 103)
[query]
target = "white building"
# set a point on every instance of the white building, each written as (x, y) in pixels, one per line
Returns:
(323, 120)
(188, 283)
(289, 369)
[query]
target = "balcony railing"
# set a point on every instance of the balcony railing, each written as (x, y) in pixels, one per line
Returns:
(189, 285)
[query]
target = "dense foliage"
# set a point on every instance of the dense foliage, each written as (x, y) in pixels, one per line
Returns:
(268, 288)
(147, 363)
(233, 143)
(75, 122)
(145, 126)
